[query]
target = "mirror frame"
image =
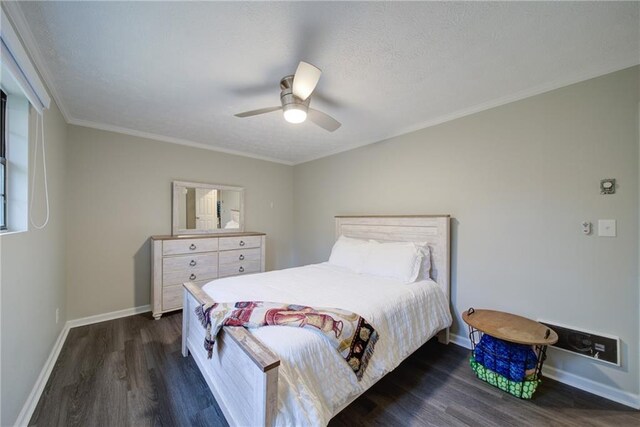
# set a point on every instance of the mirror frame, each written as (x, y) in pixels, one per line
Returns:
(176, 231)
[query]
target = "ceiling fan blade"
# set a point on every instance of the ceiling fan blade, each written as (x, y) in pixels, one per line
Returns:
(256, 112)
(305, 80)
(323, 120)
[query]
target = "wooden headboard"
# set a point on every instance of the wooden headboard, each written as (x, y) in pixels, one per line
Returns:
(432, 229)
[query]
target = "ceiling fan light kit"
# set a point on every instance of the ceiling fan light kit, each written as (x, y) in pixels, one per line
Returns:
(294, 114)
(295, 96)
(294, 108)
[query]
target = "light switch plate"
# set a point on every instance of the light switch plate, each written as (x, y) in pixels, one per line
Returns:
(607, 227)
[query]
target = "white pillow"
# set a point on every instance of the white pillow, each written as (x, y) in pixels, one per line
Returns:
(397, 260)
(350, 253)
(425, 268)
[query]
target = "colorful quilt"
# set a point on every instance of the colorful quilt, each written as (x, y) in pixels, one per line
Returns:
(350, 334)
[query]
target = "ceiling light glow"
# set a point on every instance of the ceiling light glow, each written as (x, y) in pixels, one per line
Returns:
(295, 115)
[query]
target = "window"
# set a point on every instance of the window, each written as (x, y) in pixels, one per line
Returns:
(3, 161)
(20, 87)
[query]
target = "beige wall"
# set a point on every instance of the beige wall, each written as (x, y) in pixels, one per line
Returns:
(33, 280)
(120, 194)
(518, 180)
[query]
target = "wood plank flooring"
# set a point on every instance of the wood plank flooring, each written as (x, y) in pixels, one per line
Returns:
(129, 372)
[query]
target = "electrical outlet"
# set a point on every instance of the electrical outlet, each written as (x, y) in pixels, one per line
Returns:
(57, 315)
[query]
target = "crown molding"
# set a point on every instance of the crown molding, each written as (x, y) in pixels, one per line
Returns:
(13, 10)
(518, 96)
(24, 32)
(172, 140)
(22, 28)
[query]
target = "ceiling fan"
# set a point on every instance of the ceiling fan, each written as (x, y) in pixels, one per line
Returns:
(295, 96)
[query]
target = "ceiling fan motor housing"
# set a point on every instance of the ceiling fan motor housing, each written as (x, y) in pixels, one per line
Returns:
(288, 99)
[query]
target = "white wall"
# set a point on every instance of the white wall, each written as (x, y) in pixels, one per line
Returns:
(33, 280)
(120, 194)
(518, 180)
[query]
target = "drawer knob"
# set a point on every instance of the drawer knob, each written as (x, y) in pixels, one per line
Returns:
(192, 247)
(241, 242)
(241, 269)
(192, 277)
(193, 263)
(241, 257)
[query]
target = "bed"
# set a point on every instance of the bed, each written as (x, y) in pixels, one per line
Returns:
(278, 375)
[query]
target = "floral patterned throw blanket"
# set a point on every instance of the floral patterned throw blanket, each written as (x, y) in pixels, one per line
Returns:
(351, 335)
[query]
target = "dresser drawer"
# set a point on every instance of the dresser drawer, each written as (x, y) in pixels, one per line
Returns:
(239, 267)
(187, 246)
(199, 259)
(172, 296)
(179, 269)
(235, 256)
(227, 243)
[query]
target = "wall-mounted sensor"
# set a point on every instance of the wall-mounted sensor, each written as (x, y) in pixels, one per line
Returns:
(608, 186)
(586, 228)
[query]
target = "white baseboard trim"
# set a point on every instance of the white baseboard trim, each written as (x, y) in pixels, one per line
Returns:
(460, 340)
(108, 316)
(30, 405)
(624, 397)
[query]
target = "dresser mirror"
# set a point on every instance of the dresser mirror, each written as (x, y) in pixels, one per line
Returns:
(207, 208)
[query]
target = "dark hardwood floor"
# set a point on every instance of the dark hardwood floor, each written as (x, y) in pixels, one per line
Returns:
(129, 372)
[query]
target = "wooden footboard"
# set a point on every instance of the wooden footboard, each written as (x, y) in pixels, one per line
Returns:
(242, 374)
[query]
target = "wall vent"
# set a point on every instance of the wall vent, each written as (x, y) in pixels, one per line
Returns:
(605, 348)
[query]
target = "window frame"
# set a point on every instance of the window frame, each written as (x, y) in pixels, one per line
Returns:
(3, 157)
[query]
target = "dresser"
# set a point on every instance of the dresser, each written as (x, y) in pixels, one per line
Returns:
(200, 259)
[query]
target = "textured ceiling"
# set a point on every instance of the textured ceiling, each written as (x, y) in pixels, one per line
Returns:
(181, 70)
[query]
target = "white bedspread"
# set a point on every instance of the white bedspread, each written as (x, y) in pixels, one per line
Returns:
(315, 382)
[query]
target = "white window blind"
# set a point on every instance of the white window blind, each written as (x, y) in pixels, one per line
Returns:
(15, 60)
